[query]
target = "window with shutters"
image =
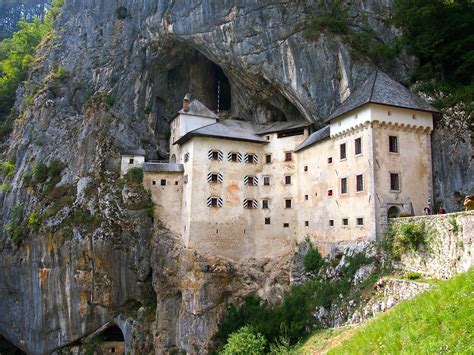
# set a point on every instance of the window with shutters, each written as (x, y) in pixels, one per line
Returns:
(395, 182)
(393, 144)
(215, 178)
(265, 204)
(342, 151)
(250, 204)
(234, 157)
(215, 154)
(359, 183)
(250, 180)
(266, 180)
(251, 158)
(358, 146)
(288, 156)
(288, 203)
(343, 186)
(214, 202)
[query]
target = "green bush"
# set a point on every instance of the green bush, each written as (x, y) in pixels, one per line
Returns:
(413, 275)
(7, 169)
(245, 342)
(134, 176)
(410, 236)
(312, 261)
(40, 172)
(34, 221)
(59, 73)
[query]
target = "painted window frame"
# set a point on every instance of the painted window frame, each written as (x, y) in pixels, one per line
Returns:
(346, 179)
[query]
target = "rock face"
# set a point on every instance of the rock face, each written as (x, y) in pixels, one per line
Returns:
(125, 67)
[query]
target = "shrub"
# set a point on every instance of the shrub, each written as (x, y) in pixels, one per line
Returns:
(455, 227)
(54, 169)
(59, 73)
(312, 261)
(7, 169)
(40, 172)
(134, 176)
(413, 275)
(34, 221)
(409, 236)
(109, 99)
(245, 341)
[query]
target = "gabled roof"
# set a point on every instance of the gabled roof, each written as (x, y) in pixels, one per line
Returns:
(228, 129)
(379, 88)
(196, 108)
(314, 138)
(273, 127)
(134, 152)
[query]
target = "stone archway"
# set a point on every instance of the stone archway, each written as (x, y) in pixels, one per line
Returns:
(393, 212)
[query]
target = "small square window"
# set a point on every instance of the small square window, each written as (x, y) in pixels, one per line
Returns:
(358, 146)
(163, 182)
(251, 181)
(330, 192)
(286, 225)
(342, 151)
(266, 180)
(234, 157)
(306, 168)
(345, 221)
(215, 155)
(251, 158)
(306, 197)
(389, 113)
(360, 221)
(130, 161)
(330, 160)
(343, 186)
(267, 220)
(288, 180)
(331, 223)
(306, 223)
(153, 182)
(394, 182)
(360, 183)
(176, 183)
(265, 204)
(267, 138)
(288, 156)
(249, 204)
(214, 202)
(393, 144)
(288, 203)
(268, 158)
(214, 178)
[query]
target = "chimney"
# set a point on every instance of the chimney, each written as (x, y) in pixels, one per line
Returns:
(186, 100)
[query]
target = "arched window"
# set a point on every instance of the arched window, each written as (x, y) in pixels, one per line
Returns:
(393, 212)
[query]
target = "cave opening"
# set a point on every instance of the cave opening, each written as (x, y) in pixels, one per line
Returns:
(112, 341)
(8, 348)
(112, 333)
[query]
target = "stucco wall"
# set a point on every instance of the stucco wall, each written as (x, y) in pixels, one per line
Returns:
(138, 161)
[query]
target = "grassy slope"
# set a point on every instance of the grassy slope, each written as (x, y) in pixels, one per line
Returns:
(438, 321)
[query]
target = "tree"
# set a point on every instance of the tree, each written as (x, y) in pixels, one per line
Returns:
(246, 342)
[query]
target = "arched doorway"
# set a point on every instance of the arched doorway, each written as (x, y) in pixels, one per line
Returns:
(8, 348)
(393, 212)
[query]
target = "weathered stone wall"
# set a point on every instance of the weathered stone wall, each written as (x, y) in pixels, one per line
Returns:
(449, 249)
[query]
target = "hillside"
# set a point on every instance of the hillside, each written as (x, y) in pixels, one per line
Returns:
(440, 320)
(11, 11)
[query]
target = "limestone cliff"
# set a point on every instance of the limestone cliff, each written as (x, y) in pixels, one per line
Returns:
(125, 65)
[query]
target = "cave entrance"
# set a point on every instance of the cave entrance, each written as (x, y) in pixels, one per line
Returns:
(111, 341)
(8, 348)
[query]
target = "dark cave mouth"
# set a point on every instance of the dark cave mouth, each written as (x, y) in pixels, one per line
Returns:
(8, 348)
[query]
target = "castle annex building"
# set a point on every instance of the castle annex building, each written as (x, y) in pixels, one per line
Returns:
(241, 189)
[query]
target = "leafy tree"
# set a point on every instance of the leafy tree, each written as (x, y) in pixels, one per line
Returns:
(245, 342)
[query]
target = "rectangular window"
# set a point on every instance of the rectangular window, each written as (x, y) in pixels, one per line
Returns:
(288, 203)
(163, 182)
(306, 197)
(330, 160)
(267, 138)
(345, 221)
(249, 204)
(267, 220)
(131, 161)
(358, 146)
(153, 182)
(250, 181)
(286, 225)
(342, 151)
(251, 159)
(214, 178)
(288, 180)
(394, 182)
(268, 158)
(215, 155)
(288, 156)
(330, 192)
(360, 221)
(266, 180)
(343, 185)
(234, 157)
(214, 202)
(359, 183)
(265, 204)
(331, 223)
(306, 223)
(393, 144)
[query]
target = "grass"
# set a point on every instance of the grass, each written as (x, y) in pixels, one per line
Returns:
(438, 321)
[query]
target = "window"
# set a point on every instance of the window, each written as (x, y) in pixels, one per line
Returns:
(163, 182)
(331, 223)
(186, 157)
(389, 113)
(249, 204)
(266, 180)
(343, 185)
(394, 182)
(288, 180)
(393, 144)
(358, 146)
(306, 223)
(359, 183)
(214, 177)
(215, 155)
(330, 160)
(251, 159)
(288, 203)
(185, 179)
(250, 180)
(267, 138)
(214, 202)
(360, 221)
(345, 221)
(286, 225)
(265, 204)
(268, 158)
(176, 183)
(130, 161)
(267, 220)
(153, 182)
(233, 157)
(330, 192)
(306, 197)
(342, 151)
(288, 156)
(305, 168)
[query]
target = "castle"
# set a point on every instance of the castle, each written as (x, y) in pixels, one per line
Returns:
(239, 189)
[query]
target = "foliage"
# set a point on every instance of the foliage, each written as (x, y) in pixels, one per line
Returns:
(245, 341)
(437, 321)
(59, 73)
(91, 346)
(15, 227)
(7, 169)
(100, 99)
(410, 236)
(413, 275)
(34, 221)
(455, 226)
(134, 176)
(313, 261)
(16, 56)
(40, 172)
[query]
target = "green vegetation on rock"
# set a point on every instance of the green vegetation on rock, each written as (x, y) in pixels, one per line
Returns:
(245, 341)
